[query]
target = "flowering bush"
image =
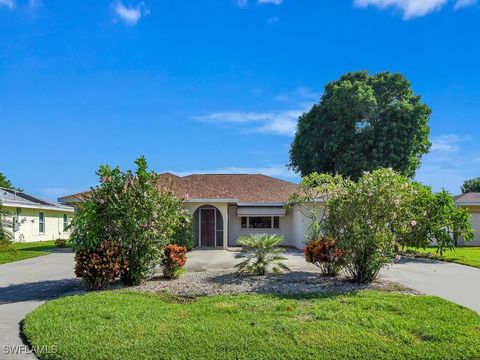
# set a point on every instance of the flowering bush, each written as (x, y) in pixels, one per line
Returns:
(367, 217)
(101, 265)
(131, 209)
(325, 254)
(174, 259)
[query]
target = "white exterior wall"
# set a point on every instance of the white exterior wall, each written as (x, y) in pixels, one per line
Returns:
(475, 213)
(29, 224)
(301, 223)
(223, 207)
(235, 230)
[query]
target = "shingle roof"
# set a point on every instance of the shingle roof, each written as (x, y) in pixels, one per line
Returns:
(20, 199)
(244, 188)
(472, 198)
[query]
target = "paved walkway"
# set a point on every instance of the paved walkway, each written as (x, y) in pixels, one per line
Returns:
(24, 285)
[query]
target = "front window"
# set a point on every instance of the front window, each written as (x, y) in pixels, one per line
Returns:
(260, 222)
(65, 222)
(41, 223)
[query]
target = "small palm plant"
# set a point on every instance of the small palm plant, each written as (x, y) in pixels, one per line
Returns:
(261, 253)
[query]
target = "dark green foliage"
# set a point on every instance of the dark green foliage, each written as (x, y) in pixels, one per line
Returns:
(363, 122)
(7, 184)
(472, 185)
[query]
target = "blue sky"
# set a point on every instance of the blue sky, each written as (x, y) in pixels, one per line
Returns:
(216, 86)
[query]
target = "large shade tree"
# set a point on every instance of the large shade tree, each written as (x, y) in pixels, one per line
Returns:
(363, 122)
(472, 185)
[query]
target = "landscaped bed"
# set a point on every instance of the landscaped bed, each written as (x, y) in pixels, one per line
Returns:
(361, 325)
(27, 251)
(461, 255)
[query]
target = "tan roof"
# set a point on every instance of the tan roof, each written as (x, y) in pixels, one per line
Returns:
(472, 198)
(247, 188)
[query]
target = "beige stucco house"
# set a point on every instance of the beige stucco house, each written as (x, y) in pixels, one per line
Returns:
(32, 219)
(227, 206)
(471, 201)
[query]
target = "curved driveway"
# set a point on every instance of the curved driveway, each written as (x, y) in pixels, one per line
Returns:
(26, 284)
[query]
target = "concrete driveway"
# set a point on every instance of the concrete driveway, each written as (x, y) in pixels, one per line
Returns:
(26, 284)
(457, 283)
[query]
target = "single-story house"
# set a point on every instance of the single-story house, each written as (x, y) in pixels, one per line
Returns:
(471, 201)
(227, 206)
(32, 219)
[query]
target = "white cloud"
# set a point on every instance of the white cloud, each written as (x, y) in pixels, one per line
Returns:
(412, 8)
(130, 15)
(460, 4)
(7, 3)
(244, 3)
(279, 171)
(278, 123)
(451, 160)
(445, 144)
(274, 2)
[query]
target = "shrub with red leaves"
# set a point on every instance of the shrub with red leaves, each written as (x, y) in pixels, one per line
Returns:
(174, 259)
(325, 254)
(98, 267)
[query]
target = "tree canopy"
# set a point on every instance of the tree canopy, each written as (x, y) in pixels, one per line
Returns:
(363, 122)
(472, 185)
(4, 182)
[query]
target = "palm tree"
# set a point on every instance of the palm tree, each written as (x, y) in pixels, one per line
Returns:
(261, 253)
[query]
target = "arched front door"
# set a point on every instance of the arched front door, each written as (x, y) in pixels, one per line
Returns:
(207, 227)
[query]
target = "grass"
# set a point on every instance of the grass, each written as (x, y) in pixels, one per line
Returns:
(27, 251)
(363, 325)
(462, 255)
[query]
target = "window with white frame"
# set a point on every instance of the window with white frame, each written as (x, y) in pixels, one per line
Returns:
(41, 223)
(260, 222)
(65, 222)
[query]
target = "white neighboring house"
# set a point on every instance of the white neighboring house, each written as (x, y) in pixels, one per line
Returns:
(471, 202)
(34, 219)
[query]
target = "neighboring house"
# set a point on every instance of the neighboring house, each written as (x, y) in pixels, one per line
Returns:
(471, 201)
(225, 207)
(33, 219)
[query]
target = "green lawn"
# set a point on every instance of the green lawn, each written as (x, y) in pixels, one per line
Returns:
(363, 325)
(463, 255)
(27, 251)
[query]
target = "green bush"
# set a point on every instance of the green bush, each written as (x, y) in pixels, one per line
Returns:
(261, 253)
(183, 234)
(131, 210)
(61, 243)
(99, 266)
(325, 254)
(366, 217)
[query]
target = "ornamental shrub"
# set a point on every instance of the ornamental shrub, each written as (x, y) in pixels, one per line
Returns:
(367, 218)
(261, 253)
(99, 266)
(325, 254)
(131, 210)
(60, 243)
(174, 259)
